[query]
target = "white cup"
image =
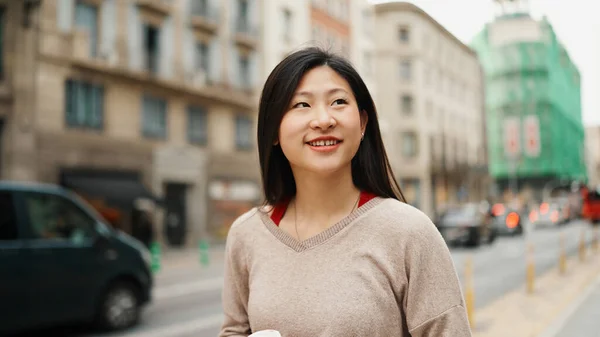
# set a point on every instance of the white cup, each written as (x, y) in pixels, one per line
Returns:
(266, 333)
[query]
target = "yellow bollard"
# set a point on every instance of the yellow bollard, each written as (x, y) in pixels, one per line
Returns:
(582, 246)
(562, 261)
(530, 270)
(470, 292)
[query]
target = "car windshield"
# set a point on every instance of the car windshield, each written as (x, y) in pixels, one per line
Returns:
(459, 215)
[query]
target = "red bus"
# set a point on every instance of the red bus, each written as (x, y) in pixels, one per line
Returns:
(591, 204)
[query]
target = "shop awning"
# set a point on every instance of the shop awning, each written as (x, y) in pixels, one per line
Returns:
(117, 191)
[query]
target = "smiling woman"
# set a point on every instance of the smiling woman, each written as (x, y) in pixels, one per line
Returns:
(333, 251)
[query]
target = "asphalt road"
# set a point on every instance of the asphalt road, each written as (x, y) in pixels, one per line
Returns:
(501, 266)
(187, 303)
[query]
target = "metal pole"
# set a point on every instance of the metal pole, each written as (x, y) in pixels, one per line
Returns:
(513, 177)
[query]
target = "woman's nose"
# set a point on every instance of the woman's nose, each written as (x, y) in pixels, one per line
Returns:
(323, 119)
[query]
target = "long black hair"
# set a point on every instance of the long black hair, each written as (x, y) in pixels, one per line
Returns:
(371, 170)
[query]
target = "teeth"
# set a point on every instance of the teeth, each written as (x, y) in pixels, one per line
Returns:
(323, 143)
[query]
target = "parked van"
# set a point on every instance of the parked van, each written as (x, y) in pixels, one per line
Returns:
(60, 263)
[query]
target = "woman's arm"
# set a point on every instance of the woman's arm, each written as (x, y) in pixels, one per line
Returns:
(433, 302)
(235, 288)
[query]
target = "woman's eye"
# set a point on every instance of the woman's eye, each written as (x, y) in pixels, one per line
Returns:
(339, 101)
(301, 105)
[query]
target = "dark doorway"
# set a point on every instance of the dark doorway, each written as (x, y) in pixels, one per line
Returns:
(175, 214)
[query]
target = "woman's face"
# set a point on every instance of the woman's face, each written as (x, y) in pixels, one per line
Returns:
(322, 128)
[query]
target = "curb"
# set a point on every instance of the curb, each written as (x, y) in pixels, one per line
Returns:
(559, 323)
(521, 315)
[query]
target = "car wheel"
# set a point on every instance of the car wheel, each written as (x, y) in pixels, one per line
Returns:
(492, 237)
(119, 307)
(474, 238)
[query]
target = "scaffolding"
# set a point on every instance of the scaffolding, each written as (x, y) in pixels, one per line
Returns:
(532, 79)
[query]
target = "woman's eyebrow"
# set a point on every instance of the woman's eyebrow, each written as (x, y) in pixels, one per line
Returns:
(328, 92)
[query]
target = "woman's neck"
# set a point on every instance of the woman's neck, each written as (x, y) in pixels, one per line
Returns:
(319, 199)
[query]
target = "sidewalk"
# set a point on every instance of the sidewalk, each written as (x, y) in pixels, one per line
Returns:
(186, 264)
(185, 258)
(520, 314)
(584, 319)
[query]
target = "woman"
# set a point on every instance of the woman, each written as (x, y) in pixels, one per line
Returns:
(334, 252)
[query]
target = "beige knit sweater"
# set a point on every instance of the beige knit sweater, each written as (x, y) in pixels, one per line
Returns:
(382, 271)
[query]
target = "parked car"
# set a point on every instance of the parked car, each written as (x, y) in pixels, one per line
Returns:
(60, 263)
(507, 219)
(548, 214)
(468, 224)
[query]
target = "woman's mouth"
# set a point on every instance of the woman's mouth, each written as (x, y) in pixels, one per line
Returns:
(328, 142)
(324, 145)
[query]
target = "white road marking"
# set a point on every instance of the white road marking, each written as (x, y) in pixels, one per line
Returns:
(181, 328)
(182, 289)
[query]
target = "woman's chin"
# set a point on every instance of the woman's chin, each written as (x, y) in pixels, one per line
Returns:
(327, 168)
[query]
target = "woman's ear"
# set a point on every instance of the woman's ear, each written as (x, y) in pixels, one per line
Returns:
(364, 119)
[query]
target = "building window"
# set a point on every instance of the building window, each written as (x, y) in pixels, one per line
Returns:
(409, 144)
(86, 18)
(2, 28)
(151, 48)
(287, 24)
(197, 125)
(243, 20)
(244, 63)
(411, 188)
(200, 8)
(243, 132)
(405, 70)
(202, 57)
(407, 104)
(154, 117)
(404, 35)
(84, 104)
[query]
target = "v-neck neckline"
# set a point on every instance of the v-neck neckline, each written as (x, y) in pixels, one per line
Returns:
(300, 246)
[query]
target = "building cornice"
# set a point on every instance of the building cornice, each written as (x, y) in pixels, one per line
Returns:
(401, 6)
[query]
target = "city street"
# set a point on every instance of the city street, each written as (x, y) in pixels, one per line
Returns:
(187, 300)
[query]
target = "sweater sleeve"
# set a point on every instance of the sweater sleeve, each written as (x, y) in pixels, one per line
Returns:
(235, 287)
(433, 301)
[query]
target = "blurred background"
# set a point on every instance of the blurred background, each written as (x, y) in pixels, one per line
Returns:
(146, 110)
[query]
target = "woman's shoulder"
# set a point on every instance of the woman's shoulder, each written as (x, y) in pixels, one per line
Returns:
(246, 222)
(401, 217)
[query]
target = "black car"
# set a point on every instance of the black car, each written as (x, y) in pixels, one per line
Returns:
(468, 224)
(60, 263)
